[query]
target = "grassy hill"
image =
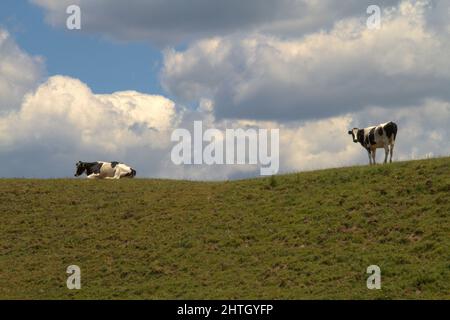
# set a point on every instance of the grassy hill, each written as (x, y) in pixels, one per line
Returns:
(297, 236)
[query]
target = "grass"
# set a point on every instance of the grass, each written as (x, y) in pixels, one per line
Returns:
(297, 236)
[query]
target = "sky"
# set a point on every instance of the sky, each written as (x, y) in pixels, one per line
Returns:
(106, 66)
(137, 70)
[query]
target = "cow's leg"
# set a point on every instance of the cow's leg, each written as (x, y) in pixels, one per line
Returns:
(374, 153)
(117, 174)
(93, 176)
(370, 157)
(392, 151)
(386, 153)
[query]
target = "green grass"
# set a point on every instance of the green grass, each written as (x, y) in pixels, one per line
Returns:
(297, 236)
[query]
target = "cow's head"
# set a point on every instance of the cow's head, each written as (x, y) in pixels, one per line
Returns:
(354, 134)
(81, 167)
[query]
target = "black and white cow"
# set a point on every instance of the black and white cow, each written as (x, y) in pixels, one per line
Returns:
(373, 138)
(104, 170)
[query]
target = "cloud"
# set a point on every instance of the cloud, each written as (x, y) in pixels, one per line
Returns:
(179, 21)
(63, 121)
(318, 144)
(321, 75)
(438, 18)
(19, 73)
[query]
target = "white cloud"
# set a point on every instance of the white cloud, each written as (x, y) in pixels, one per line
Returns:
(19, 73)
(320, 75)
(318, 144)
(64, 121)
(68, 104)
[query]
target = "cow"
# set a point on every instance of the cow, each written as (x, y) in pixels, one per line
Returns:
(104, 170)
(373, 138)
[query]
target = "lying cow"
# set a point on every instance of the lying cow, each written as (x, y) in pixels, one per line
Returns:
(373, 138)
(104, 170)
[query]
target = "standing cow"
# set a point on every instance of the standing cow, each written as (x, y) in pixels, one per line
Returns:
(104, 170)
(373, 138)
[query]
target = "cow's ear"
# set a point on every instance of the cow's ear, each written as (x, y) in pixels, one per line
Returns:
(350, 132)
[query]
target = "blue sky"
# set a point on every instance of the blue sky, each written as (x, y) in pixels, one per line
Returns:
(105, 65)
